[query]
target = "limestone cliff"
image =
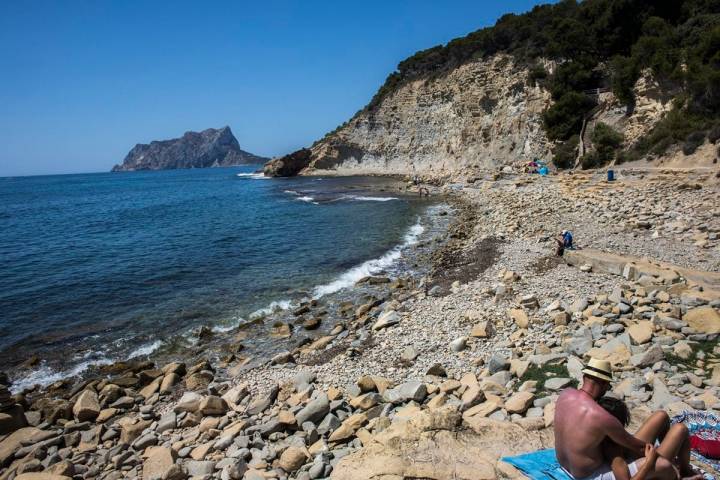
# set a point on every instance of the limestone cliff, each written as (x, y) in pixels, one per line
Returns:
(497, 95)
(482, 113)
(209, 148)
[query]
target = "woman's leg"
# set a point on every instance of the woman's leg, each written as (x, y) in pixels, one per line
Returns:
(655, 427)
(676, 448)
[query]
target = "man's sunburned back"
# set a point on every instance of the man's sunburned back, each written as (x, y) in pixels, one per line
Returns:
(578, 433)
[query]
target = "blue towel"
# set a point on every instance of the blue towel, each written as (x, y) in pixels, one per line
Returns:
(540, 465)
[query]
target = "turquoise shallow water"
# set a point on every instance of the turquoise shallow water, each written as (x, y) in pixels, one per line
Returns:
(99, 267)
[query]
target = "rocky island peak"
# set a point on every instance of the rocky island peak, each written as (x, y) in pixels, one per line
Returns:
(208, 148)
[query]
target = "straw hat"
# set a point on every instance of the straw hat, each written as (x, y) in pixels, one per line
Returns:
(598, 369)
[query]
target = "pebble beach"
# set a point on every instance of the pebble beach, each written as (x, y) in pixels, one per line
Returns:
(433, 375)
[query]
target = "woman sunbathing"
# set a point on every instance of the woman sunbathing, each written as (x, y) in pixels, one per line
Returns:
(616, 455)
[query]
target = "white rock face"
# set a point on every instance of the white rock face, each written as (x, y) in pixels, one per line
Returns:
(480, 114)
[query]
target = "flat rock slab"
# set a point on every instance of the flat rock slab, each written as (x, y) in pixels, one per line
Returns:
(16, 440)
(703, 319)
(41, 476)
(435, 444)
(635, 267)
(557, 383)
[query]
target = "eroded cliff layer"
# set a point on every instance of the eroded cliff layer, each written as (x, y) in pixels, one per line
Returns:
(209, 148)
(482, 113)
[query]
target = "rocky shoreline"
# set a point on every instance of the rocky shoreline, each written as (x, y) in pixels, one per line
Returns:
(437, 378)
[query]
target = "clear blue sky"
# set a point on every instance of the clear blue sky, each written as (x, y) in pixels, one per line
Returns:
(82, 82)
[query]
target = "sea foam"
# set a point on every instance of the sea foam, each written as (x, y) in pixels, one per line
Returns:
(254, 176)
(371, 267)
(308, 200)
(361, 198)
(145, 349)
(44, 375)
(275, 306)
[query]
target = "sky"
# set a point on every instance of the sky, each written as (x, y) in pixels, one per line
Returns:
(82, 82)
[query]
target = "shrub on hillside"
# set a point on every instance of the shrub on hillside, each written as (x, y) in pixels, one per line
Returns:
(714, 134)
(606, 142)
(604, 136)
(590, 160)
(564, 118)
(692, 142)
(574, 77)
(672, 129)
(565, 153)
(625, 156)
(679, 41)
(623, 78)
(536, 72)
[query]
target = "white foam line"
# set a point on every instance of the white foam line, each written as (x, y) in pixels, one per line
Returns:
(275, 306)
(308, 200)
(45, 375)
(145, 349)
(371, 267)
(228, 328)
(254, 176)
(373, 199)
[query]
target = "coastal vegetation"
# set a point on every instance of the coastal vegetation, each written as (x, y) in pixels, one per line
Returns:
(606, 141)
(600, 44)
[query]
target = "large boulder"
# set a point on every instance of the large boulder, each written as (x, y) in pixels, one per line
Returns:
(213, 405)
(11, 419)
(387, 319)
(160, 465)
(519, 317)
(130, 432)
(16, 440)
(314, 411)
(519, 402)
(412, 390)
(292, 459)
(189, 402)
(641, 332)
(41, 476)
(703, 319)
(289, 165)
(647, 357)
(87, 406)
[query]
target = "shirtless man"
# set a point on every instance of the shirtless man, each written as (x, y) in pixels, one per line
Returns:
(581, 425)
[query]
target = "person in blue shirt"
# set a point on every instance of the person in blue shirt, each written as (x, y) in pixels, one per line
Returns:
(564, 240)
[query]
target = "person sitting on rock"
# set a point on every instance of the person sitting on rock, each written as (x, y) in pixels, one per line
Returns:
(560, 249)
(581, 426)
(567, 239)
(615, 455)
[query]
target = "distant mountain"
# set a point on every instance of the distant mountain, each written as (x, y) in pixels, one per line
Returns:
(209, 148)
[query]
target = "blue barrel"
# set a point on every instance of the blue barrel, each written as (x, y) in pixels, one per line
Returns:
(611, 175)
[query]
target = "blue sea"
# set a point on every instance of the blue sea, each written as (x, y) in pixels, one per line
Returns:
(96, 268)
